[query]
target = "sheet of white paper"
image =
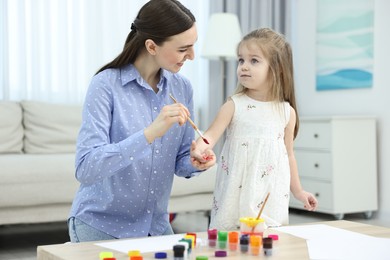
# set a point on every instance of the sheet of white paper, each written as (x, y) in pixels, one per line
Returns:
(144, 245)
(326, 242)
(357, 249)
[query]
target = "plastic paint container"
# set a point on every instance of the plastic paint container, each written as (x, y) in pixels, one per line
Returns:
(189, 244)
(187, 250)
(178, 252)
(244, 243)
(194, 235)
(212, 237)
(233, 240)
(252, 226)
(267, 246)
(255, 242)
(222, 239)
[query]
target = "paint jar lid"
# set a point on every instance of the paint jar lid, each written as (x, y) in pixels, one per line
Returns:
(273, 236)
(220, 254)
(103, 255)
(222, 235)
(178, 250)
(233, 237)
(160, 255)
(251, 222)
(244, 240)
(212, 234)
(133, 253)
(267, 242)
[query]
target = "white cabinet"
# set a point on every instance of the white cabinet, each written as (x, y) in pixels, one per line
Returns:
(337, 162)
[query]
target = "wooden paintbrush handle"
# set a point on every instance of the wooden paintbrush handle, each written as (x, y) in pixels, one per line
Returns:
(189, 119)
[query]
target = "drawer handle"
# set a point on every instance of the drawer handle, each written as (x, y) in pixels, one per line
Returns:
(315, 135)
(317, 194)
(316, 165)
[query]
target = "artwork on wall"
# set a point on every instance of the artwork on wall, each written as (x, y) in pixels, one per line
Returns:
(344, 44)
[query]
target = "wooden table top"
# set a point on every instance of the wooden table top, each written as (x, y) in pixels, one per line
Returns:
(287, 247)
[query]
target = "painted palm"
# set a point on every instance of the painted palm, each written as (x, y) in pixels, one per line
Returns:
(344, 44)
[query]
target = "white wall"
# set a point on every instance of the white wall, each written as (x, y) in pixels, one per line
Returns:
(370, 101)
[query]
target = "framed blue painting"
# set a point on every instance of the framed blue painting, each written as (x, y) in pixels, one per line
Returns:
(344, 44)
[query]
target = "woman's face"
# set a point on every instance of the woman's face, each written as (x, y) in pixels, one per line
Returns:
(172, 54)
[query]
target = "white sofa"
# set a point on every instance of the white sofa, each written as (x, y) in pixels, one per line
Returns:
(37, 153)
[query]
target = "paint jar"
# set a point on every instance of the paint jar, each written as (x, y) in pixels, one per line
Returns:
(244, 243)
(194, 235)
(178, 252)
(252, 226)
(186, 245)
(267, 246)
(233, 240)
(222, 239)
(255, 242)
(212, 237)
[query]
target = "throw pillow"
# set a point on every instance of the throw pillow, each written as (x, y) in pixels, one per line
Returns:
(50, 128)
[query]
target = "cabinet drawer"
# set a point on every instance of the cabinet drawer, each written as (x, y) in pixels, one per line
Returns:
(313, 164)
(323, 192)
(316, 135)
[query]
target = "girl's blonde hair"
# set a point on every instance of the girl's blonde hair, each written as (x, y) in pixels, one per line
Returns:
(278, 53)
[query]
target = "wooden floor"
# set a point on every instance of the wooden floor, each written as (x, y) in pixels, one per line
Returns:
(19, 242)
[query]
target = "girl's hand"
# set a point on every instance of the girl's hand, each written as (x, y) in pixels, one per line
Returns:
(309, 200)
(169, 115)
(202, 160)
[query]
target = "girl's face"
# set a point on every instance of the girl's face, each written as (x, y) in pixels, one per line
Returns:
(172, 54)
(252, 69)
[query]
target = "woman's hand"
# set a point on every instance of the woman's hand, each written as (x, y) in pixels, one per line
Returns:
(202, 159)
(169, 115)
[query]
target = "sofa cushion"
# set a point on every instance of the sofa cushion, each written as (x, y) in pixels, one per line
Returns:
(34, 179)
(203, 183)
(50, 128)
(11, 129)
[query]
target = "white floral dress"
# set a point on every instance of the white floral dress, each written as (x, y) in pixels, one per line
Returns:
(253, 162)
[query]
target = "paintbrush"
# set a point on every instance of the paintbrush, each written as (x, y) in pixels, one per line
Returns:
(192, 124)
(261, 210)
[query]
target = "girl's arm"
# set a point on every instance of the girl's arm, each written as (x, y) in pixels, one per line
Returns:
(220, 123)
(213, 133)
(308, 199)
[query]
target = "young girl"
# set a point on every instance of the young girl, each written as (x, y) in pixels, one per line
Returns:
(262, 122)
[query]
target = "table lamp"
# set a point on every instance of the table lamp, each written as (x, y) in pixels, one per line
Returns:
(221, 41)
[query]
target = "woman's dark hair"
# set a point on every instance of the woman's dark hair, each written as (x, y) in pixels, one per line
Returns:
(156, 20)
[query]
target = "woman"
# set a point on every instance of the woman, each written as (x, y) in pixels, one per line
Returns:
(133, 139)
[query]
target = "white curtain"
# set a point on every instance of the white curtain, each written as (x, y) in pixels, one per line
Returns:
(50, 49)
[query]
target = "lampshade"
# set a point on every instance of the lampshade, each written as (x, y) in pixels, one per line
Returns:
(222, 37)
